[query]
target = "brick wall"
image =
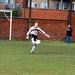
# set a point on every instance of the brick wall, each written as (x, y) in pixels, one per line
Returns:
(54, 26)
(46, 14)
(4, 28)
(54, 22)
(19, 28)
(56, 29)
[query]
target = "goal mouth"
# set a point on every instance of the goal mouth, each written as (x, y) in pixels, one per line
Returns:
(10, 20)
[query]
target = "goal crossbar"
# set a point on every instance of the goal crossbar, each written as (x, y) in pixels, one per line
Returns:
(10, 19)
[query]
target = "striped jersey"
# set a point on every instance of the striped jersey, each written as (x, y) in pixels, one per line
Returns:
(34, 30)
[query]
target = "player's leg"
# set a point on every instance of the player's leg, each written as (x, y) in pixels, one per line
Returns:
(34, 45)
(33, 39)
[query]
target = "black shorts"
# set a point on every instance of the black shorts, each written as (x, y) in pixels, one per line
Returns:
(33, 36)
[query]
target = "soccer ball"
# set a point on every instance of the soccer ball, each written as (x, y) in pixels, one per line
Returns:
(38, 42)
(27, 38)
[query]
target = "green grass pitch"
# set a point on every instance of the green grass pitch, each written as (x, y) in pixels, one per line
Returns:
(50, 58)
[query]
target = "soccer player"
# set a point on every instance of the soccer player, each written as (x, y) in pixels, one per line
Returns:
(33, 31)
(68, 34)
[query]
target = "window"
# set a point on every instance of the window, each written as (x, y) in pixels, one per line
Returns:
(6, 2)
(1, 1)
(18, 5)
(33, 5)
(44, 5)
(9, 1)
(12, 2)
(57, 5)
(73, 6)
(64, 5)
(28, 4)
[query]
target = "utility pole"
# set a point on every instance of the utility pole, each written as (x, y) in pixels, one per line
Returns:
(70, 12)
(30, 13)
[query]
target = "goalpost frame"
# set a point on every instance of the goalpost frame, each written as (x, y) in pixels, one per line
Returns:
(10, 19)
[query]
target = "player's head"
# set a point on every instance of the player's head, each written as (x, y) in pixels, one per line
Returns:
(36, 24)
(69, 26)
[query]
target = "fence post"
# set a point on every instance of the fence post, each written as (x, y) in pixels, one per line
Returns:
(30, 13)
(70, 12)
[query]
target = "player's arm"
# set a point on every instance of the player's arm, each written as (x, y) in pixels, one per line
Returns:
(47, 35)
(27, 36)
(44, 33)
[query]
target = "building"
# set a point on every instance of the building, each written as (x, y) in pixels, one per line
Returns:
(40, 4)
(7, 4)
(12, 4)
(43, 4)
(52, 4)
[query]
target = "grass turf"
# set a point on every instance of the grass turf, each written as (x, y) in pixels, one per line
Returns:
(50, 58)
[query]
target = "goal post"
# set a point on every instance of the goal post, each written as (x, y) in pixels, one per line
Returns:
(10, 20)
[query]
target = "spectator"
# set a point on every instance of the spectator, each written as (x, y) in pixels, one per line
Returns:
(68, 34)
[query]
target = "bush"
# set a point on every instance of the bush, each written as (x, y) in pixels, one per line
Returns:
(17, 12)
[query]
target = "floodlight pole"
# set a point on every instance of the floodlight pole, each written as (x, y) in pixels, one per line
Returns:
(30, 13)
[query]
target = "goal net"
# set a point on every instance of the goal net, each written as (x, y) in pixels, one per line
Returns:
(9, 19)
